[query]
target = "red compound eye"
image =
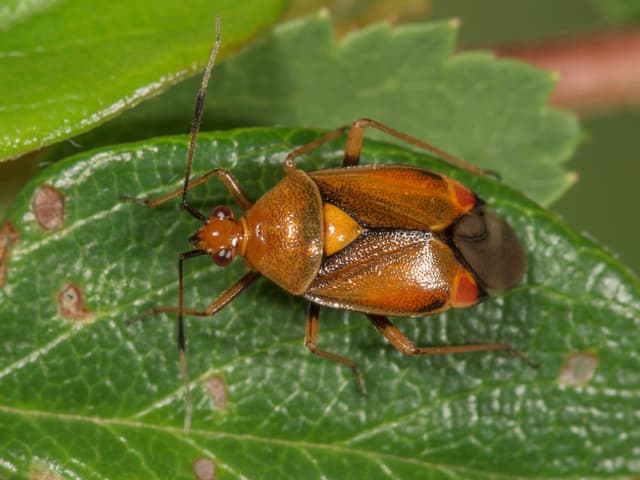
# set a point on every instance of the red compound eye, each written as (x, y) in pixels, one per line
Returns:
(223, 257)
(222, 212)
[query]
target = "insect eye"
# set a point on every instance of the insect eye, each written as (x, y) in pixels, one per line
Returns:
(222, 212)
(223, 257)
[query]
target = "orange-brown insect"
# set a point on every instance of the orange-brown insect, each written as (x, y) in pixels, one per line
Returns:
(382, 240)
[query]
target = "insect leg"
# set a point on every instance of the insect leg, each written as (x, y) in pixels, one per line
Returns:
(290, 161)
(406, 346)
(311, 342)
(220, 302)
(226, 178)
(356, 134)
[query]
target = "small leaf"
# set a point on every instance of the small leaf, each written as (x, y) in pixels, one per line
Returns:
(353, 14)
(86, 397)
(472, 105)
(486, 110)
(490, 112)
(68, 66)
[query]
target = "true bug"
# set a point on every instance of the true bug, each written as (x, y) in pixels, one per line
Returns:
(382, 240)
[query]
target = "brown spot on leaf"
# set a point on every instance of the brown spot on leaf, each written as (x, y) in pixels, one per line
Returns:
(8, 238)
(48, 208)
(204, 469)
(217, 390)
(578, 369)
(71, 304)
(41, 472)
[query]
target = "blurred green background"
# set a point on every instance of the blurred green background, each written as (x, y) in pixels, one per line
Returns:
(603, 201)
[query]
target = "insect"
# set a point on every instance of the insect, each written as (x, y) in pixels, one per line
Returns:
(384, 240)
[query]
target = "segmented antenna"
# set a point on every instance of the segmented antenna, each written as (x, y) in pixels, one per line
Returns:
(195, 127)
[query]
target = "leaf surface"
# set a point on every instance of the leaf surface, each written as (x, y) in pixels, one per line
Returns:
(68, 66)
(491, 112)
(82, 395)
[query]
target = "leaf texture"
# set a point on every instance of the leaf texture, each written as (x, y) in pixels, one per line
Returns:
(84, 396)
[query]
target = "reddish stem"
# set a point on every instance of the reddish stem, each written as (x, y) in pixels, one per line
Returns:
(596, 72)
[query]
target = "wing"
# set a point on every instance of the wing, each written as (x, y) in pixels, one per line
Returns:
(393, 196)
(394, 272)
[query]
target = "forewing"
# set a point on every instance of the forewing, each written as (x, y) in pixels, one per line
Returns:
(398, 273)
(392, 196)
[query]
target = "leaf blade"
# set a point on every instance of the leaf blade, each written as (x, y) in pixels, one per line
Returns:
(474, 415)
(491, 112)
(61, 77)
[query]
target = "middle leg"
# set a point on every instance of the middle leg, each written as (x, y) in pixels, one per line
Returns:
(311, 342)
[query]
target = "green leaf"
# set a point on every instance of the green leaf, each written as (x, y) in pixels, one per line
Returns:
(350, 15)
(491, 112)
(85, 396)
(68, 66)
(620, 11)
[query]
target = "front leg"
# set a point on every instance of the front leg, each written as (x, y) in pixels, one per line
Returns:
(225, 177)
(217, 305)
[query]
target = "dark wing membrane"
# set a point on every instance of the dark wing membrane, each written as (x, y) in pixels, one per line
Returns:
(398, 273)
(392, 196)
